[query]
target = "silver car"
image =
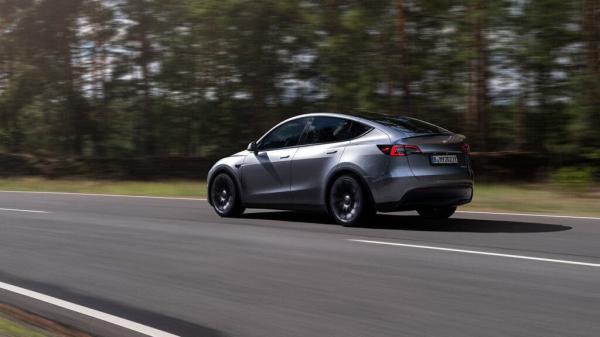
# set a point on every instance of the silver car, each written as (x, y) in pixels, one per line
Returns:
(350, 166)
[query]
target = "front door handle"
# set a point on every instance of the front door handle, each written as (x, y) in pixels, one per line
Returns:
(284, 157)
(332, 152)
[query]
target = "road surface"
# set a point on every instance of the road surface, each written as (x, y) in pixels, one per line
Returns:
(174, 265)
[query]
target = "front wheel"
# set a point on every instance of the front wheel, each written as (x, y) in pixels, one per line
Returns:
(348, 202)
(437, 212)
(224, 196)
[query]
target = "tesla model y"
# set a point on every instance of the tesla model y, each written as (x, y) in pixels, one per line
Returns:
(350, 166)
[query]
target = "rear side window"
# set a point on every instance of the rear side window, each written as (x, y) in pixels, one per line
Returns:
(327, 130)
(286, 135)
(358, 129)
(410, 125)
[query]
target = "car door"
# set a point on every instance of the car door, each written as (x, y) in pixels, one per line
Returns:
(320, 150)
(266, 173)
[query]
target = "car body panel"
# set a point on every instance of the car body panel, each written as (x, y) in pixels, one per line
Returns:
(309, 171)
(266, 175)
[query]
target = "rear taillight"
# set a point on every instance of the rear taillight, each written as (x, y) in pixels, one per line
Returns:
(399, 150)
(465, 148)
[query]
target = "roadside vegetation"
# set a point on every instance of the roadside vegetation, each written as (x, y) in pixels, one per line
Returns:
(128, 79)
(171, 188)
(15, 322)
(9, 328)
(547, 198)
(535, 198)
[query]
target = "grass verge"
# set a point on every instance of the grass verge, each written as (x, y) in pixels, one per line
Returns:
(15, 322)
(525, 198)
(9, 328)
(543, 199)
(189, 189)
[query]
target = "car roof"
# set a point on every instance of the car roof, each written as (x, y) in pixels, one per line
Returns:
(365, 118)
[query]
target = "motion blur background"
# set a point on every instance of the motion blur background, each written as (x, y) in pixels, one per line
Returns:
(149, 89)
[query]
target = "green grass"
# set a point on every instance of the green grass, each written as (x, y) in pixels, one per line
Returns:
(544, 199)
(193, 189)
(540, 198)
(9, 328)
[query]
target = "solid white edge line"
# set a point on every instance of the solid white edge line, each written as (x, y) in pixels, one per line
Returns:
(22, 210)
(533, 215)
(124, 323)
(204, 199)
(106, 195)
(522, 257)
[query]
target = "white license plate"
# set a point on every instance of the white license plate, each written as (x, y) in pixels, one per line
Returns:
(444, 160)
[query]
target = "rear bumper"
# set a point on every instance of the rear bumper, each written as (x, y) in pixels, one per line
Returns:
(439, 195)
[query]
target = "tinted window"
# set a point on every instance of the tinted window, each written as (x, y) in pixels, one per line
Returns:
(406, 124)
(285, 135)
(327, 130)
(358, 129)
(409, 125)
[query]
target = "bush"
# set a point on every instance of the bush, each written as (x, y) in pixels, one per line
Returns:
(573, 178)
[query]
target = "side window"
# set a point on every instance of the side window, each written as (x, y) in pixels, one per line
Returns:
(358, 129)
(285, 135)
(327, 130)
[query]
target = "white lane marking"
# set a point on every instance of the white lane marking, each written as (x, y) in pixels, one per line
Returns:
(106, 195)
(534, 215)
(522, 257)
(204, 199)
(124, 323)
(22, 210)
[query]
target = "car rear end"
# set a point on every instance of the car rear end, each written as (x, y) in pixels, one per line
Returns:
(442, 169)
(437, 159)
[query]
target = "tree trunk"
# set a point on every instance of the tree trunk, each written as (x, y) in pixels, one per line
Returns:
(476, 116)
(74, 112)
(520, 127)
(101, 101)
(8, 70)
(591, 27)
(332, 28)
(149, 140)
(403, 55)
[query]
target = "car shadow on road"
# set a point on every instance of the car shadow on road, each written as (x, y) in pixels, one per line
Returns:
(416, 223)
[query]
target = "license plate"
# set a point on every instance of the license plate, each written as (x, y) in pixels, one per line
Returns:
(444, 160)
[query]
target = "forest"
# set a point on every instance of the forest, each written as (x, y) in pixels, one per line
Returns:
(202, 78)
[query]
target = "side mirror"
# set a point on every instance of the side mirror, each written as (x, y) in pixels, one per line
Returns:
(252, 147)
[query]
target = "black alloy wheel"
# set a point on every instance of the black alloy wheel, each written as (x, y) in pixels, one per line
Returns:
(347, 201)
(224, 196)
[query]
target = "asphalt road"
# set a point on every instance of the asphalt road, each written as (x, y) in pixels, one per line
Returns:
(175, 266)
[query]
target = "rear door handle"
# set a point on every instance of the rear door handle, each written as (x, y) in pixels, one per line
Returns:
(332, 152)
(284, 157)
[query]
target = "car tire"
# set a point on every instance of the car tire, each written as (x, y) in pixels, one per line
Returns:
(225, 197)
(437, 212)
(348, 202)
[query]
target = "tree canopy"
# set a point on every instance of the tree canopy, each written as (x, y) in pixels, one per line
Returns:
(116, 78)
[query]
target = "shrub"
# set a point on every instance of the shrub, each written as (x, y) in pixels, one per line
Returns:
(573, 178)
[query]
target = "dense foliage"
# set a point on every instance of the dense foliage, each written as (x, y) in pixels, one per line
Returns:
(117, 78)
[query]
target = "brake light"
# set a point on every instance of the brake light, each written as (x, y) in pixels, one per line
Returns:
(399, 150)
(465, 148)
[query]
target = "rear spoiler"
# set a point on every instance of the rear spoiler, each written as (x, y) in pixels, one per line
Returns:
(450, 137)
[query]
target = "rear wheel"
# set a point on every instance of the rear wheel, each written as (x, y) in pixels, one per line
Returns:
(437, 212)
(348, 202)
(224, 196)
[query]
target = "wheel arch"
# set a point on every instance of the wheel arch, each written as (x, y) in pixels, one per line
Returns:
(351, 172)
(215, 172)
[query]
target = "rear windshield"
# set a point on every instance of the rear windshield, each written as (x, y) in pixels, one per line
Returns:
(408, 125)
